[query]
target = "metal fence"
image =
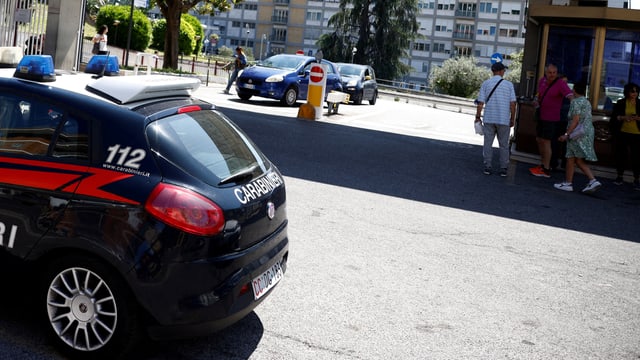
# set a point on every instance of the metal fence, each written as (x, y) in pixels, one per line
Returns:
(23, 23)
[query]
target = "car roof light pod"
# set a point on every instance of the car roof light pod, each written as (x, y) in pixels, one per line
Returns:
(127, 89)
(103, 65)
(36, 67)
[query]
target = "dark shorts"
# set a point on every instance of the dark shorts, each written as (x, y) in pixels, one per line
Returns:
(549, 129)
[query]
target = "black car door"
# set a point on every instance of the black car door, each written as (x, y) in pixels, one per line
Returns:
(43, 156)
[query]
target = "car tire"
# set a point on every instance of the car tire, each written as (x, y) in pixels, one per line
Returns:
(89, 311)
(290, 97)
(357, 97)
(374, 98)
(244, 96)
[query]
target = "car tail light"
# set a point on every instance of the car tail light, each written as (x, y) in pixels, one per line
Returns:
(185, 210)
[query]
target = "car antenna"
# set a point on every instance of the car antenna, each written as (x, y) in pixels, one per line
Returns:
(104, 68)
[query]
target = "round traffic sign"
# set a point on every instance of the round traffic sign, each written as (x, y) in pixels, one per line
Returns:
(316, 74)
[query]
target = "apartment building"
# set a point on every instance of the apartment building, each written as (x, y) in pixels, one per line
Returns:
(448, 28)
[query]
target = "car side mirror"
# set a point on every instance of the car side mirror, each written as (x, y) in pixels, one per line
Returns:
(305, 72)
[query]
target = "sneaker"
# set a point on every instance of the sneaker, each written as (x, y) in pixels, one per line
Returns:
(618, 181)
(540, 171)
(503, 172)
(487, 171)
(226, 91)
(592, 187)
(564, 186)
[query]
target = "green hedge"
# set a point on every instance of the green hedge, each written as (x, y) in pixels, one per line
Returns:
(140, 34)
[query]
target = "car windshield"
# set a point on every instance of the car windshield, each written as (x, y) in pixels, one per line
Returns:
(283, 62)
(205, 144)
(349, 70)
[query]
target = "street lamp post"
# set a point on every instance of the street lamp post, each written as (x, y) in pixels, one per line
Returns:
(353, 53)
(115, 40)
(262, 39)
(246, 39)
(198, 37)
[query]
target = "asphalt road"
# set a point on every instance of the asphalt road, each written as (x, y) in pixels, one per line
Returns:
(402, 249)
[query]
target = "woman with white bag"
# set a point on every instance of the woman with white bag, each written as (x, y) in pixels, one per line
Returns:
(579, 138)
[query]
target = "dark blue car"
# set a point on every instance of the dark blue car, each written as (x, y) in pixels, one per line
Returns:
(283, 77)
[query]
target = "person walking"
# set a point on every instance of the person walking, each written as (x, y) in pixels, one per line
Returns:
(239, 63)
(625, 127)
(553, 91)
(101, 39)
(498, 99)
(579, 148)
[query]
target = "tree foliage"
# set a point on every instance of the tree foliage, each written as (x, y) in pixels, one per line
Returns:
(140, 34)
(380, 30)
(189, 40)
(172, 11)
(458, 77)
(515, 67)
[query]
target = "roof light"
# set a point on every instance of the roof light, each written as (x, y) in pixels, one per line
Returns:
(10, 56)
(36, 67)
(127, 89)
(103, 65)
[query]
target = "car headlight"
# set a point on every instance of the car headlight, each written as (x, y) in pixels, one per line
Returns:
(352, 82)
(275, 78)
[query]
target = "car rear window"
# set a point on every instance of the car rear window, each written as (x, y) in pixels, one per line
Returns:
(205, 144)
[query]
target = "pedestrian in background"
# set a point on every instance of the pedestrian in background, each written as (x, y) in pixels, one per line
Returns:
(498, 99)
(625, 127)
(581, 148)
(101, 39)
(239, 63)
(551, 92)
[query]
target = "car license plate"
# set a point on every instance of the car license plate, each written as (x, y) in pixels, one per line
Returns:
(249, 86)
(268, 279)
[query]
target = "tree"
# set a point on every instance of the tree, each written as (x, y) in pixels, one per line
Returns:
(459, 77)
(172, 11)
(515, 67)
(381, 31)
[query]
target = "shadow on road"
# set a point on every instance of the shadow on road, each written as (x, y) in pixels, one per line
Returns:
(437, 172)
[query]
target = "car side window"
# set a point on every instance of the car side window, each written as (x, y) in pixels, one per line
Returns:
(28, 127)
(73, 140)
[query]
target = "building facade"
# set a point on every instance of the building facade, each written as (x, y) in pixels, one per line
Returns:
(448, 28)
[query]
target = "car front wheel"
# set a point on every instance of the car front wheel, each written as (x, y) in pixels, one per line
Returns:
(290, 97)
(89, 310)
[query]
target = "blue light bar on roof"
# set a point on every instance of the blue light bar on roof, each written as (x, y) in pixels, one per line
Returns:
(107, 63)
(36, 67)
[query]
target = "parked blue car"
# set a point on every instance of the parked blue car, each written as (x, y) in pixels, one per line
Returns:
(283, 77)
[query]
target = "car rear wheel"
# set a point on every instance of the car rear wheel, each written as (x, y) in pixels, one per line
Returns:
(374, 98)
(290, 97)
(89, 310)
(357, 97)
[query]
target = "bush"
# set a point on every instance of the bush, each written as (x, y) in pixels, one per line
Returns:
(190, 27)
(140, 35)
(459, 77)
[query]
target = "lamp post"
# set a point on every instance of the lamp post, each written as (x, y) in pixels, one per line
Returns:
(246, 39)
(198, 37)
(115, 40)
(262, 39)
(353, 53)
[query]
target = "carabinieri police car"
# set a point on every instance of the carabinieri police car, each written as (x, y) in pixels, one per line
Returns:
(141, 207)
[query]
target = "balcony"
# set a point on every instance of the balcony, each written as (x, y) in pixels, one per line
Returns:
(281, 2)
(466, 13)
(278, 38)
(463, 35)
(279, 19)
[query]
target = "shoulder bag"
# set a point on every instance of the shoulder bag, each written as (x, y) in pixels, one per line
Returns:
(478, 124)
(537, 113)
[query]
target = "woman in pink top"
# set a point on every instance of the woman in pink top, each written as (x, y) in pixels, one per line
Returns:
(551, 92)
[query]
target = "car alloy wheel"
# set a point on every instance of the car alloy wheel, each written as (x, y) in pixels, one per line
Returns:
(88, 309)
(290, 97)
